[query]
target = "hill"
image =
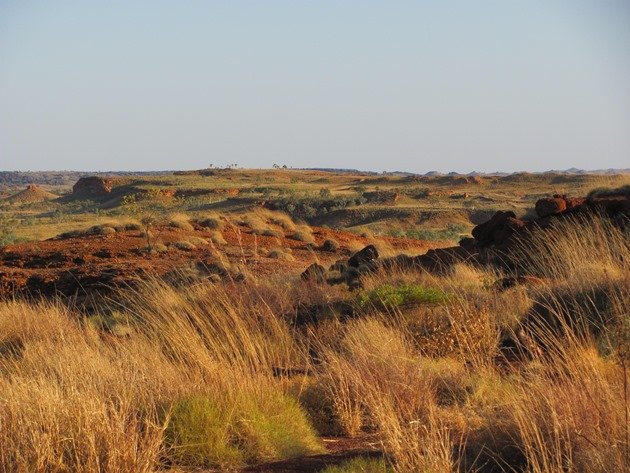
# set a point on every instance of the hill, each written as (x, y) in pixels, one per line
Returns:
(31, 194)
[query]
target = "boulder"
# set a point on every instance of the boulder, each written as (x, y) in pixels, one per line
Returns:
(363, 257)
(339, 265)
(315, 272)
(550, 206)
(485, 233)
(502, 234)
(574, 202)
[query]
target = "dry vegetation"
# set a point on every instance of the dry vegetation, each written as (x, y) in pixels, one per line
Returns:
(447, 371)
(188, 377)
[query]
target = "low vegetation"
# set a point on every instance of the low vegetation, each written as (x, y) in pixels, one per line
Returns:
(470, 367)
(389, 297)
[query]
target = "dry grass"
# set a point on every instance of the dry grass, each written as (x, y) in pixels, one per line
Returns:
(192, 383)
(213, 222)
(304, 234)
(184, 245)
(180, 222)
(427, 379)
(75, 401)
(281, 253)
(217, 238)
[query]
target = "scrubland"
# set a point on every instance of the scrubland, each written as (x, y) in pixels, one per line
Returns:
(447, 371)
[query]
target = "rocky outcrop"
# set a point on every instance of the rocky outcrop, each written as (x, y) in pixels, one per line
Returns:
(363, 257)
(550, 206)
(492, 241)
(557, 204)
(315, 272)
(94, 186)
(498, 229)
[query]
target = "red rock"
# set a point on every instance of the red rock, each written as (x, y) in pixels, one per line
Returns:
(550, 206)
(485, 233)
(574, 202)
(94, 186)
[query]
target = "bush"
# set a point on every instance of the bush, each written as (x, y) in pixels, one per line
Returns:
(452, 232)
(133, 227)
(181, 225)
(200, 433)
(158, 248)
(197, 241)
(607, 191)
(272, 233)
(303, 234)
(214, 223)
(309, 207)
(209, 431)
(388, 296)
(275, 427)
(184, 245)
(282, 220)
(280, 253)
(102, 230)
(7, 237)
(330, 244)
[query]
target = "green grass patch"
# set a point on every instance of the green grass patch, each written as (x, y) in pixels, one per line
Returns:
(215, 431)
(388, 296)
(452, 232)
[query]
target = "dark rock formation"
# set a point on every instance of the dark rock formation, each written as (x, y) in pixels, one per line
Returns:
(93, 186)
(363, 257)
(315, 272)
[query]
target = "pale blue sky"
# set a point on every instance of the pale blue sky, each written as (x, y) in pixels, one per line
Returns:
(390, 85)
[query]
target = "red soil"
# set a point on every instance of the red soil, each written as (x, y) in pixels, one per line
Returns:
(80, 264)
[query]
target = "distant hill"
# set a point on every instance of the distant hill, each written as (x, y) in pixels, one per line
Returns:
(31, 194)
(61, 178)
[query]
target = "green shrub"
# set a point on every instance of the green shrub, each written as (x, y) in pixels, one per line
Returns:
(388, 296)
(7, 237)
(275, 427)
(213, 431)
(452, 232)
(309, 207)
(200, 433)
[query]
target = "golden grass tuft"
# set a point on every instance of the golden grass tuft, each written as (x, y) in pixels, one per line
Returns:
(304, 234)
(180, 222)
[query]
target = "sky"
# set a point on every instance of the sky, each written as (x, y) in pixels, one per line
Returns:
(390, 85)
